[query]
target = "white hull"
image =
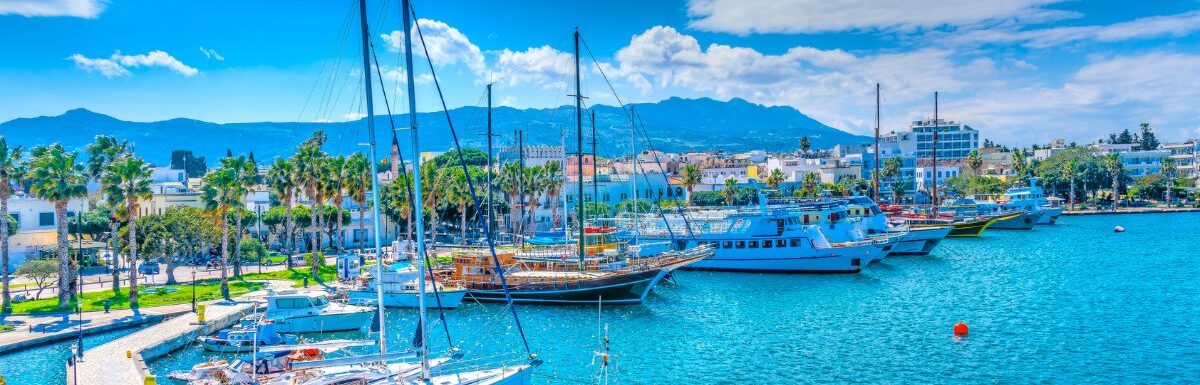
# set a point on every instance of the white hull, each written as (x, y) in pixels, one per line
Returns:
(920, 241)
(326, 322)
(1049, 215)
(792, 260)
(450, 298)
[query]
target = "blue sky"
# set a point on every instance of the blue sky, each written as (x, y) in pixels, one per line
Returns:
(1023, 71)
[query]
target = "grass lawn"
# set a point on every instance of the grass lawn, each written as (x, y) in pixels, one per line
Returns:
(6, 328)
(296, 275)
(94, 301)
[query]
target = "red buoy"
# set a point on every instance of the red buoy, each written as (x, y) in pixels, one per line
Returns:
(960, 329)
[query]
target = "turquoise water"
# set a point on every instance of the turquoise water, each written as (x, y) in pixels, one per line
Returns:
(47, 364)
(1070, 303)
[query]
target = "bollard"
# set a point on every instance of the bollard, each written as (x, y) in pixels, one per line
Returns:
(305, 281)
(150, 380)
(128, 354)
(200, 312)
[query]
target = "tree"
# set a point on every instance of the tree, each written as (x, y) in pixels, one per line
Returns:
(899, 189)
(1112, 162)
(358, 180)
(12, 169)
(335, 188)
(102, 151)
(553, 183)
(1168, 172)
(310, 166)
(283, 181)
(242, 173)
(253, 248)
(1148, 141)
(56, 176)
(510, 181)
(1069, 173)
(192, 165)
(731, 186)
(41, 271)
(394, 201)
(1020, 167)
(805, 144)
(775, 178)
(891, 169)
(691, 177)
(810, 186)
(975, 163)
(127, 180)
(220, 196)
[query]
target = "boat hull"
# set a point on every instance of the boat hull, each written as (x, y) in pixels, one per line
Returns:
(838, 260)
(971, 228)
(632, 288)
(1050, 215)
(320, 323)
(921, 241)
(449, 299)
(1025, 221)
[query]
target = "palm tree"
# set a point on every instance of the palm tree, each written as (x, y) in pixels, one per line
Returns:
(335, 189)
(310, 168)
(1069, 173)
(891, 169)
(357, 181)
(535, 182)
(128, 179)
(811, 185)
(1168, 171)
(730, 191)
(1020, 166)
(553, 181)
(55, 176)
(974, 162)
(101, 152)
(775, 178)
(11, 170)
(220, 194)
(1112, 162)
(510, 181)
(457, 193)
(691, 177)
(282, 181)
(805, 144)
(398, 201)
(244, 173)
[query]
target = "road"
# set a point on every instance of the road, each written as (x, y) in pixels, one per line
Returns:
(100, 281)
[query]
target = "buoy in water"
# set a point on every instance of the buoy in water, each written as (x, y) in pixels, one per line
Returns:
(1118, 229)
(960, 329)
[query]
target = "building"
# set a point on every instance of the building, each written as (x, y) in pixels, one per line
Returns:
(1185, 155)
(955, 140)
(717, 170)
(36, 226)
(1137, 163)
(945, 170)
(538, 155)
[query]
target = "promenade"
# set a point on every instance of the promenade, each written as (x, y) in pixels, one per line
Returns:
(1135, 210)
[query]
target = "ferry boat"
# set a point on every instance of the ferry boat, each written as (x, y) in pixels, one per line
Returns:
(915, 239)
(312, 312)
(970, 207)
(1032, 199)
(400, 289)
(609, 269)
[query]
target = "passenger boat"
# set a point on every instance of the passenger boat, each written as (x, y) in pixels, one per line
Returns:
(970, 207)
(1032, 199)
(241, 338)
(400, 290)
(312, 312)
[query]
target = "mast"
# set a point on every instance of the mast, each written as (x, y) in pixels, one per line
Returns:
(935, 148)
(595, 164)
(633, 177)
(366, 51)
(521, 178)
(562, 192)
(875, 174)
(491, 217)
(406, 11)
(579, 143)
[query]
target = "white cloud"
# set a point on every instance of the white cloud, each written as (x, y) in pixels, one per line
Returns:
(119, 64)
(211, 54)
(811, 16)
(447, 45)
(349, 116)
(87, 9)
(1148, 27)
(542, 66)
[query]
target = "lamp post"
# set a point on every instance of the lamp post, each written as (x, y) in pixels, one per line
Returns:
(258, 229)
(79, 278)
(193, 290)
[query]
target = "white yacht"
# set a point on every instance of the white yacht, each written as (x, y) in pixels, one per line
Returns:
(914, 239)
(1032, 199)
(400, 289)
(312, 312)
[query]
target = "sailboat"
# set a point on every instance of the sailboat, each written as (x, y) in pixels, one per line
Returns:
(413, 366)
(598, 264)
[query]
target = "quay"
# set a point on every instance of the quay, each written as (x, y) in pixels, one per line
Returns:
(123, 361)
(38, 329)
(1135, 210)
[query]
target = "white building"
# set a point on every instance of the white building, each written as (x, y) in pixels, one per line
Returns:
(955, 140)
(535, 155)
(1137, 163)
(1185, 155)
(36, 221)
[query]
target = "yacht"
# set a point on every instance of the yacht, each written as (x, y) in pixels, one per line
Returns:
(1008, 218)
(400, 289)
(312, 312)
(241, 338)
(1032, 199)
(915, 239)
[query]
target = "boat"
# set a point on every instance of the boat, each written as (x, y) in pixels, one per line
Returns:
(241, 338)
(1034, 200)
(312, 312)
(970, 207)
(400, 290)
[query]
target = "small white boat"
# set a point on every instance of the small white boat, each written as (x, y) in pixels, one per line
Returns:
(400, 289)
(312, 312)
(241, 338)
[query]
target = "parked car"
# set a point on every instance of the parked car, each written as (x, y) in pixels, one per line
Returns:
(148, 268)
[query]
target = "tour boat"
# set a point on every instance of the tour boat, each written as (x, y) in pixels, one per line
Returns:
(1032, 199)
(400, 290)
(969, 207)
(312, 312)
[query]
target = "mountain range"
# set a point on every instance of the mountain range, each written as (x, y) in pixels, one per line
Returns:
(673, 125)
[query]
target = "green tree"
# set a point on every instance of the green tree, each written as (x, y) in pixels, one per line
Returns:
(192, 165)
(1020, 167)
(775, 178)
(243, 174)
(358, 180)
(220, 195)
(975, 163)
(731, 186)
(12, 169)
(335, 188)
(283, 181)
(41, 271)
(394, 201)
(691, 177)
(1069, 173)
(553, 182)
(127, 180)
(102, 151)
(56, 176)
(1112, 162)
(891, 169)
(1148, 142)
(810, 186)
(310, 166)
(1168, 172)
(805, 144)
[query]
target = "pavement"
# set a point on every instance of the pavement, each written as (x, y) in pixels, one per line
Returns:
(101, 281)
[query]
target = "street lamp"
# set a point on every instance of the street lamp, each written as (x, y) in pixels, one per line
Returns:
(193, 290)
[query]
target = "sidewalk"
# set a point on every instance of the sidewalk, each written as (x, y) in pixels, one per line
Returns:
(103, 281)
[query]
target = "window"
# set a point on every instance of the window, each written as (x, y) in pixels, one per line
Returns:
(740, 244)
(780, 243)
(727, 245)
(794, 242)
(753, 244)
(767, 244)
(45, 219)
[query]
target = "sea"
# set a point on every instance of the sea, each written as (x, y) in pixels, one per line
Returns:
(1070, 303)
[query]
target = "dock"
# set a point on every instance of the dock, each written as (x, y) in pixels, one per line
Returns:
(123, 361)
(1135, 210)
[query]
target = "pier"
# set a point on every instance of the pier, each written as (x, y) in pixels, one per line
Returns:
(1135, 210)
(122, 361)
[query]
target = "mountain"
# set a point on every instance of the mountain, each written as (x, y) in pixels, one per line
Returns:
(673, 125)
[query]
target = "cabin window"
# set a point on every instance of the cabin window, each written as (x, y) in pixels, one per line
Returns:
(292, 303)
(753, 244)
(794, 242)
(714, 244)
(727, 245)
(740, 244)
(806, 219)
(767, 244)
(780, 243)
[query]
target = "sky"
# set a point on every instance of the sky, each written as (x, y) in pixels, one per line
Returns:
(1020, 71)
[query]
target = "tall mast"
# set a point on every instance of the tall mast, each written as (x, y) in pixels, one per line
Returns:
(562, 192)
(406, 10)
(521, 178)
(595, 164)
(366, 51)
(634, 174)
(875, 174)
(579, 146)
(491, 217)
(934, 199)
